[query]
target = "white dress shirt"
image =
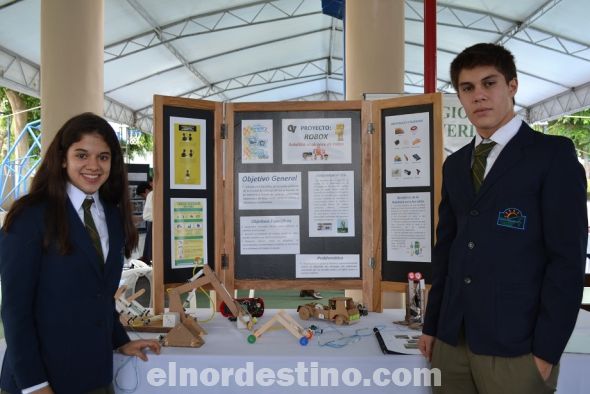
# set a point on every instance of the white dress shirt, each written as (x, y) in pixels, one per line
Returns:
(148, 207)
(77, 197)
(501, 137)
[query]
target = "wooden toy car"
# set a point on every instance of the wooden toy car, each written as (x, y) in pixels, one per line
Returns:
(340, 310)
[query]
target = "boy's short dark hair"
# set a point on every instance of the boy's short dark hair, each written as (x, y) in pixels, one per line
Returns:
(143, 187)
(484, 54)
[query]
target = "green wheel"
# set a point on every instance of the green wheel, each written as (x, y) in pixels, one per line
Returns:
(251, 338)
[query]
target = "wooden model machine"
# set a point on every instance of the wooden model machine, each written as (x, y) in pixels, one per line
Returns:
(188, 333)
(131, 313)
(340, 310)
(302, 334)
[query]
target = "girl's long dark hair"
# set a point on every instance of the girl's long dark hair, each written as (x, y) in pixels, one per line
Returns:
(49, 183)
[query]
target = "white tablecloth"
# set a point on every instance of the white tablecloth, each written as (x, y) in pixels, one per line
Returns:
(227, 347)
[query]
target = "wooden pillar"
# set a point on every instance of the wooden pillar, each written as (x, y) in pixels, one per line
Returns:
(72, 67)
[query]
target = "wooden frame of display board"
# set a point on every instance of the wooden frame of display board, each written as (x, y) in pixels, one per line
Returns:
(237, 267)
(269, 277)
(172, 113)
(391, 274)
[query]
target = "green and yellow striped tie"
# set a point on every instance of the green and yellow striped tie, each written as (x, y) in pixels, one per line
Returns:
(480, 158)
(91, 228)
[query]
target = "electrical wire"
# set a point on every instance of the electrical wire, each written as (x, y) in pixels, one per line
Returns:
(133, 361)
(344, 341)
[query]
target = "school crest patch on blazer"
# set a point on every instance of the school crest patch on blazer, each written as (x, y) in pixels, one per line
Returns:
(512, 218)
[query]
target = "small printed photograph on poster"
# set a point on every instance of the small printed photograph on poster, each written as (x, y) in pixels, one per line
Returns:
(269, 235)
(137, 206)
(317, 141)
(257, 141)
(269, 190)
(327, 266)
(331, 203)
(407, 150)
(189, 231)
(133, 191)
(187, 153)
(409, 227)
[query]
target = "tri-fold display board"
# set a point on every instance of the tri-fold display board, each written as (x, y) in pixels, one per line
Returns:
(275, 195)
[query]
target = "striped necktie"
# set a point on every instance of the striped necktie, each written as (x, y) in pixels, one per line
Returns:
(91, 228)
(480, 158)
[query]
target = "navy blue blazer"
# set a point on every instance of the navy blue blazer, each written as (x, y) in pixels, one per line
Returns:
(509, 261)
(58, 311)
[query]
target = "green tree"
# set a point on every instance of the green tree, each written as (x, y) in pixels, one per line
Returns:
(16, 110)
(576, 127)
(144, 144)
(11, 102)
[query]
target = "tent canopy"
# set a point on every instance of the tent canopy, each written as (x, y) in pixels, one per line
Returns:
(272, 50)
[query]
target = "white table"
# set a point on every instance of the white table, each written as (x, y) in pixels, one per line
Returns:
(227, 347)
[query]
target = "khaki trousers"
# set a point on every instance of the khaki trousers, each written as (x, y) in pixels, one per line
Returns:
(464, 372)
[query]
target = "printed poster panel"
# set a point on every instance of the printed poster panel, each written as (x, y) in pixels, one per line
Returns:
(269, 190)
(327, 266)
(317, 141)
(189, 231)
(408, 227)
(331, 204)
(269, 235)
(257, 141)
(407, 150)
(458, 130)
(187, 156)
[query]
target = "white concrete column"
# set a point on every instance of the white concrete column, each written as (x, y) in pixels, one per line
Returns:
(72, 66)
(374, 47)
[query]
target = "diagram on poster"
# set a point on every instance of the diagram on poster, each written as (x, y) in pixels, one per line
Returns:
(189, 231)
(269, 190)
(269, 235)
(327, 266)
(408, 227)
(316, 141)
(257, 141)
(407, 152)
(331, 203)
(187, 153)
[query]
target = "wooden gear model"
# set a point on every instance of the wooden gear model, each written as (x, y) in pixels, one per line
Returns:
(188, 333)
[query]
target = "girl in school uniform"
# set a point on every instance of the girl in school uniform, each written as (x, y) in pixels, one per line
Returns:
(61, 256)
